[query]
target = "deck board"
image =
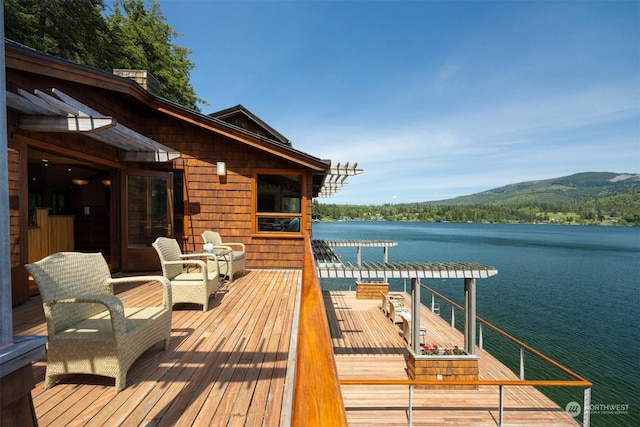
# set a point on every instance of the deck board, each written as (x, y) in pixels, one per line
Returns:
(231, 366)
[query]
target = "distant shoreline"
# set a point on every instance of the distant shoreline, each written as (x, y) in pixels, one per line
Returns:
(594, 224)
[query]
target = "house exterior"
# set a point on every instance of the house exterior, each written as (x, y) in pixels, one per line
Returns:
(98, 163)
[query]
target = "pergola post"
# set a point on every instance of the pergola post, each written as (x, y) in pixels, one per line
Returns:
(415, 315)
(470, 315)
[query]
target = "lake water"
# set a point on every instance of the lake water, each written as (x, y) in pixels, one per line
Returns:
(570, 292)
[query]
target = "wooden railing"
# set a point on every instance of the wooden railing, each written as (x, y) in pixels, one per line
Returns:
(317, 399)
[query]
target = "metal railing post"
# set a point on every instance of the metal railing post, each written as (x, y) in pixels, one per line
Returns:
(522, 363)
(433, 303)
(586, 416)
(480, 338)
(501, 407)
(453, 317)
(410, 404)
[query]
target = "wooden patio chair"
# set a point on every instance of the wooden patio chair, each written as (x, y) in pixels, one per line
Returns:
(89, 329)
(231, 255)
(195, 286)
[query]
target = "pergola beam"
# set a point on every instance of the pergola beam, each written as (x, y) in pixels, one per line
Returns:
(336, 177)
(64, 124)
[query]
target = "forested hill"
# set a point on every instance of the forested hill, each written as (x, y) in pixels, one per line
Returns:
(584, 198)
(567, 189)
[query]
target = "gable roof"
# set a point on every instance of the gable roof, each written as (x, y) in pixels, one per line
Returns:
(240, 116)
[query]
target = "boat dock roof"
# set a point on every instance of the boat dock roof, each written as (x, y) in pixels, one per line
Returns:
(329, 265)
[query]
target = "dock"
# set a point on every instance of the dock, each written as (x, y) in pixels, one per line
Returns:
(233, 365)
(368, 345)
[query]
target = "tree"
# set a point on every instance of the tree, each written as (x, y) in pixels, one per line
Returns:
(145, 41)
(131, 37)
(70, 29)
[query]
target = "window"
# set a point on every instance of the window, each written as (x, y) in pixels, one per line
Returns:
(279, 202)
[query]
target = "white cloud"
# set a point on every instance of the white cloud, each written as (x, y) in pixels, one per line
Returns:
(474, 151)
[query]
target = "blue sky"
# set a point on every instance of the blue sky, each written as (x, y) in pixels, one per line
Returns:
(432, 99)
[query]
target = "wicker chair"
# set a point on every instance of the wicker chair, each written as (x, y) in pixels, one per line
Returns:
(89, 329)
(230, 259)
(193, 287)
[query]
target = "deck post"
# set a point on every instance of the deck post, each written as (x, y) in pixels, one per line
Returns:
(470, 315)
(16, 355)
(6, 325)
(415, 315)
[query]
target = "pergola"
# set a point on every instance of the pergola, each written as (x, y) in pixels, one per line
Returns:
(329, 265)
(336, 178)
(57, 112)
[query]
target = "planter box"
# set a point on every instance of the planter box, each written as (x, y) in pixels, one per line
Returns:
(370, 289)
(443, 368)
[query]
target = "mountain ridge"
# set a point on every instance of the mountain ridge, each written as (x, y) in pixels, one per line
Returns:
(591, 198)
(566, 189)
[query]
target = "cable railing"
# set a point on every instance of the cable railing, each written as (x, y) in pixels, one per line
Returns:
(576, 381)
(523, 347)
(500, 383)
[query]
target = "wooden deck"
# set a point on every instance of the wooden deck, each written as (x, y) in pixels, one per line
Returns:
(225, 367)
(233, 366)
(368, 345)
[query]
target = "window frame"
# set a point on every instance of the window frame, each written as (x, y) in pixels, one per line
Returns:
(256, 215)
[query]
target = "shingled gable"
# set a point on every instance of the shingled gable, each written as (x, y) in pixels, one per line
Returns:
(242, 117)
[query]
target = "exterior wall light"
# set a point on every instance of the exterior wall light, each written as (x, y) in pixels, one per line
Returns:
(221, 168)
(80, 181)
